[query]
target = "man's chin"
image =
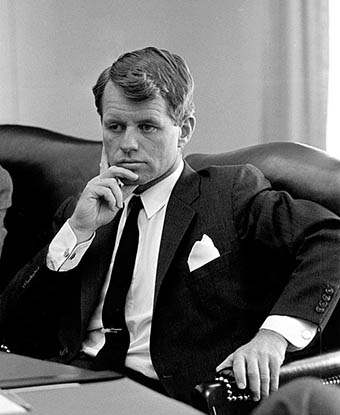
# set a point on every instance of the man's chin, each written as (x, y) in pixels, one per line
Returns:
(131, 182)
(139, 182)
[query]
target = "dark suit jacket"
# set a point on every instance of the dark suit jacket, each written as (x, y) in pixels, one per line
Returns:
(277, 256)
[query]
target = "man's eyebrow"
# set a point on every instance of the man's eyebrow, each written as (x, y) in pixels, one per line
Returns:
(112, 118)
(139, 119)
(149, 120)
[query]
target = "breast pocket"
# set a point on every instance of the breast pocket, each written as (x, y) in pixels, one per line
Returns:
(214, 285)
(213, 267)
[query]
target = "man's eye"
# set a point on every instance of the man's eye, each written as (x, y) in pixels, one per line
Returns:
(117, 128)
(147, 128)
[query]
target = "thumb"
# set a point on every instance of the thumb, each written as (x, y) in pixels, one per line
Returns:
(227, 363)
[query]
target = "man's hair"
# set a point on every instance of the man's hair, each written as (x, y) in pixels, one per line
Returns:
(146, 73)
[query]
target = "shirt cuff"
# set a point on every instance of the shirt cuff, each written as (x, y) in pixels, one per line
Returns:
(64, 254)
(298, 332)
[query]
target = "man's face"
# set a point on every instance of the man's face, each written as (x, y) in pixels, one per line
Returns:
(139, 136)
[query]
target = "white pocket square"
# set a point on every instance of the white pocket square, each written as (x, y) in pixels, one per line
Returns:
(202, 252)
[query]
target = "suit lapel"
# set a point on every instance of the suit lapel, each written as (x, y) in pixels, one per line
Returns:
(178, 217)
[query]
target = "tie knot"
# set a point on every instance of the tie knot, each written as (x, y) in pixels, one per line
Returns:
(135, 205)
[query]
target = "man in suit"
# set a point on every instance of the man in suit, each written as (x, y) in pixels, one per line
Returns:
(228, 272)
(6, 188)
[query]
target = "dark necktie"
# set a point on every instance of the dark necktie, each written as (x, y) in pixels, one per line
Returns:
(117, 339)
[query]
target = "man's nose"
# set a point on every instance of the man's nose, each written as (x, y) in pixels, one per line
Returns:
(129, 141)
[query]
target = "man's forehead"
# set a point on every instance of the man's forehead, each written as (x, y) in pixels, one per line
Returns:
(114, 102)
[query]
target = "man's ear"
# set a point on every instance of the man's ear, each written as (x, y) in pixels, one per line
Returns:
(187, 129)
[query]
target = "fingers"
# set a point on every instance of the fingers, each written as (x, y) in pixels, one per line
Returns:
(240, 371)
(124, 174)
(256, 374)
(274, 376)
(237, 362)
(104, 162)
(109, 186)
(100, 201)
(256, 365)
(227, 363)
(263, 378)
(109, 190)
(247, 372)
(263, 381)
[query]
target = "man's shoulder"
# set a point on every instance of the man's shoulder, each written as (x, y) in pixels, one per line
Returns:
(232, 171)
(232, 181)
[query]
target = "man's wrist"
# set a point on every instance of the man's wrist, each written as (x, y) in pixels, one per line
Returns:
(298, 332)
(81, 235)
(274, 334)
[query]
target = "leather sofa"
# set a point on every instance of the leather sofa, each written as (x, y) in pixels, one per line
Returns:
(46, 167)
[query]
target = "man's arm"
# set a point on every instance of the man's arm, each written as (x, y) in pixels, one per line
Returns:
(64, 252)
(305, 232)
(33, 295)
(98, 204)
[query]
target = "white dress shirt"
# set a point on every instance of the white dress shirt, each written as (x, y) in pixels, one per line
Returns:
(64, 254)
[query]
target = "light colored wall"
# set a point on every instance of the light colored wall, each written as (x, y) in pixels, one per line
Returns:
(53, 50)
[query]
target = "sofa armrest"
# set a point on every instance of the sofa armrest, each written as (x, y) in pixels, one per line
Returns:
(221, 394)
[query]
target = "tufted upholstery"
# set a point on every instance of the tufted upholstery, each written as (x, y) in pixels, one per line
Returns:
(46, 167)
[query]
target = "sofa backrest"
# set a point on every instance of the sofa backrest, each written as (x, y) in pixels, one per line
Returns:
(304, 171)
(46, 168)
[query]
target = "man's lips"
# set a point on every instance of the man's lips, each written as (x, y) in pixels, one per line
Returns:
(128, 164)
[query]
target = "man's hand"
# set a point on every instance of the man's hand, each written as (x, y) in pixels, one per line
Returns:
(257, 363)
(100, 201)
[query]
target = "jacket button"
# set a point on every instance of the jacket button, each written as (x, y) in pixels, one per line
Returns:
(319, 309)
(326, 297)
(323, 304)
(329, 290)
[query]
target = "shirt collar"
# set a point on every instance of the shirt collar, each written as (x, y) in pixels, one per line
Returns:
(158, 195)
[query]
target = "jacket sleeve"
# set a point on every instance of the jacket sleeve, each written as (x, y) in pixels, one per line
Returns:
(21, 303)
(297, 229)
